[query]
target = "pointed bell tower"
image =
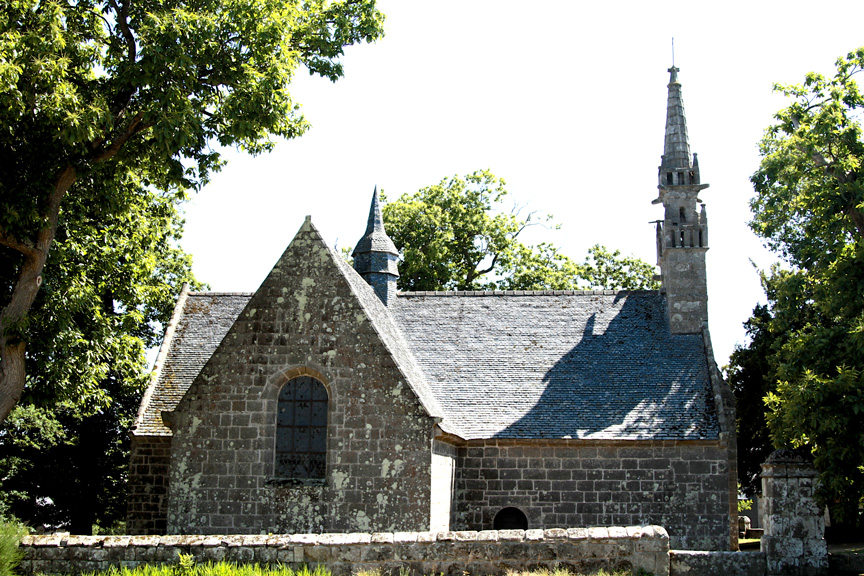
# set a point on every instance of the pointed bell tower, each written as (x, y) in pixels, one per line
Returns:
(376, 257)
(682, 235)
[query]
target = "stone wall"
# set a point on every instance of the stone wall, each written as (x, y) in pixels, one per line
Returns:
(448, 553)
(699, 563)
(147, 489)
(794, 537)
(304, 320)
(683, 486)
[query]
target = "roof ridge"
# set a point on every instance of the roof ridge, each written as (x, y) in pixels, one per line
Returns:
(521, 292)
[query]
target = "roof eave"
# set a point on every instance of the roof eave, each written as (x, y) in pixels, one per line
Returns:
(161, 356)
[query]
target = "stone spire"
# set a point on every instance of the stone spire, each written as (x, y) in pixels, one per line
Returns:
(676, 148)
(682, 235)
(376, 257)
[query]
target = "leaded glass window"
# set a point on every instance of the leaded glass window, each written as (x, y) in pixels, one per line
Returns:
(301, 430)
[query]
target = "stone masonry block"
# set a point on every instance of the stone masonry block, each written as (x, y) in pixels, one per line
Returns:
(303, 539)
(382, 538)
(404, 537)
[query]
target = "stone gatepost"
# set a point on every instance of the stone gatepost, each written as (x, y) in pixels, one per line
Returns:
(794, 537)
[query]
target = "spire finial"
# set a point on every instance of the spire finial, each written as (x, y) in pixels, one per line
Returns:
(376, 221)
(673, 71)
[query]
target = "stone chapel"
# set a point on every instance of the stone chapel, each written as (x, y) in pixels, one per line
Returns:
(326, 401)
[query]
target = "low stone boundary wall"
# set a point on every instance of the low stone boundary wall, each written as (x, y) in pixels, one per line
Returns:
(448, 553)
(690, 563)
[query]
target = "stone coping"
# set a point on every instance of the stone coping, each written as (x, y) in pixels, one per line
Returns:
(340, 539)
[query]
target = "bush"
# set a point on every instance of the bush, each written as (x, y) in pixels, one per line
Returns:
(10, 554)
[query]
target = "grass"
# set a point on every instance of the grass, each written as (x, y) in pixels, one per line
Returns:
(10, 555)
(186, 566)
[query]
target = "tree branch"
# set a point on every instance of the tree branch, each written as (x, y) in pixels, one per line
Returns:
(841, 177)
(124, 95)
(478, 273)
(64, 181)
(123, 22)
(857, 219)
(24, 247)
(135, 126)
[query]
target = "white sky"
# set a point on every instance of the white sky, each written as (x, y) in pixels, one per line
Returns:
(564, 100)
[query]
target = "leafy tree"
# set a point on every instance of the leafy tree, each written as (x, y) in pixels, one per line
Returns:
(749, 376)
(66, 468)
(103, 100)
(808, 208)
(110, 282)
(452, 236)
(603, 269)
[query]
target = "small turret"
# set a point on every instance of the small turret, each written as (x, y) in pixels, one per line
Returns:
(376, 257)
(682, 235)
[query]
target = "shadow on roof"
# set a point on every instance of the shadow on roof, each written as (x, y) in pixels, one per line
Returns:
(627, 377)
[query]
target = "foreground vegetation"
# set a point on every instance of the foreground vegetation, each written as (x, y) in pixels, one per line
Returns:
(110, 114)
(799, 382)
(187, 567)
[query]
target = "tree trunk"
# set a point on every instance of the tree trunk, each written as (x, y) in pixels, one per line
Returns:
(857, 219)
(12, 347)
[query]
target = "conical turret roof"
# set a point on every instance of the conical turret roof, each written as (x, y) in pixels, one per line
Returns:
(375, 239)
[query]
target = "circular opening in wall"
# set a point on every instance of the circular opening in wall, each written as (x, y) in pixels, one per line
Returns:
(510, 519)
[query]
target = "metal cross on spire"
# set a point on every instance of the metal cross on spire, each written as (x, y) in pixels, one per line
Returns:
(673, 78)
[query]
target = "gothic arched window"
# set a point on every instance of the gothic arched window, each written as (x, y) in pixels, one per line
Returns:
(301, 430)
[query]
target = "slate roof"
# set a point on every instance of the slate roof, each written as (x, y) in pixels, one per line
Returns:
(202, 320)
(594, 365)
(600, 365)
